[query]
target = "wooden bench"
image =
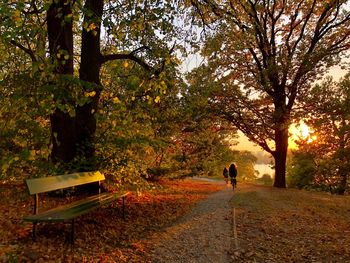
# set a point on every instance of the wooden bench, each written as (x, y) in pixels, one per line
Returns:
(70, 211)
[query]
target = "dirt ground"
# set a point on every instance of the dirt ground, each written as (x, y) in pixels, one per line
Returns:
(203, 235)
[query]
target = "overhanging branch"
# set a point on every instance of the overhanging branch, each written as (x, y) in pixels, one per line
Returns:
(25, 49)
(130, 56)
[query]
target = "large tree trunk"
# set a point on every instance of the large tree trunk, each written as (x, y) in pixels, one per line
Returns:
(74, 136)
(60, 35)
(281, 139)
(90, 73)
(280, 156)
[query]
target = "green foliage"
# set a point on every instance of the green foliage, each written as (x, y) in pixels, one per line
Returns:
(200, 97)
(301, 171)
(133, 130)
(24, 127)
(325, 162)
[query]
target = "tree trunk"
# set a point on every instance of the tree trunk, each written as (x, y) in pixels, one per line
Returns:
(60, 35)
(63, 137)
(74, 136)
(281, 140)
(342, 163)
(341, 188)
(90, 73)
(280, 156)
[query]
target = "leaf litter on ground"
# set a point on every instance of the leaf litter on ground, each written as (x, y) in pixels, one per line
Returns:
(101, 235)
(273, 225)
(289, 225)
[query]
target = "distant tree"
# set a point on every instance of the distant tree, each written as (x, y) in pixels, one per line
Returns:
(327, 110)
(265, 179)
(264, 55)
(202, 145)
(245, 161)
(263, 157)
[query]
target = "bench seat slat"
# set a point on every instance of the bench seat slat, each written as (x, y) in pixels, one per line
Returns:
(75, 209)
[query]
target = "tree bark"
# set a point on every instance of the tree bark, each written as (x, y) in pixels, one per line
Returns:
(60, 36)
(280, 156)
(281, 138)
(89, 73)
(74, 136)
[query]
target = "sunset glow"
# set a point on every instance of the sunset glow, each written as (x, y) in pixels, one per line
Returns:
(300, 132)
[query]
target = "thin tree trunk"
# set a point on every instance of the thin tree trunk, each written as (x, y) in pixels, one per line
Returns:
(342, 169)
(342, 184)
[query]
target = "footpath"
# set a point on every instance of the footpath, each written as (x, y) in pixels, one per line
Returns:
(203, 235)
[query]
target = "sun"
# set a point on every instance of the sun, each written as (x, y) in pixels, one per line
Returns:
(304, 131)
(300, 131)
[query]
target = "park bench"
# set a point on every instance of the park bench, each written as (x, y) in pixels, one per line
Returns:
(70, 211)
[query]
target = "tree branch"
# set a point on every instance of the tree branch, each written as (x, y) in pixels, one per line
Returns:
(129, 56)
(25, 49)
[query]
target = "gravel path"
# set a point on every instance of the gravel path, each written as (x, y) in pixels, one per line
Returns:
(204, 235)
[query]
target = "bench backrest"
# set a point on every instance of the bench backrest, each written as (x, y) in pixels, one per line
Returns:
(52, 183)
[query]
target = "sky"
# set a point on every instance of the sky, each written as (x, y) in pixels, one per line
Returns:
(337, 72)
(245, 145)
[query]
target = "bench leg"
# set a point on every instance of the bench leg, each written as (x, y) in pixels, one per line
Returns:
(72, 233)
(34, 230)
(123, 207)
